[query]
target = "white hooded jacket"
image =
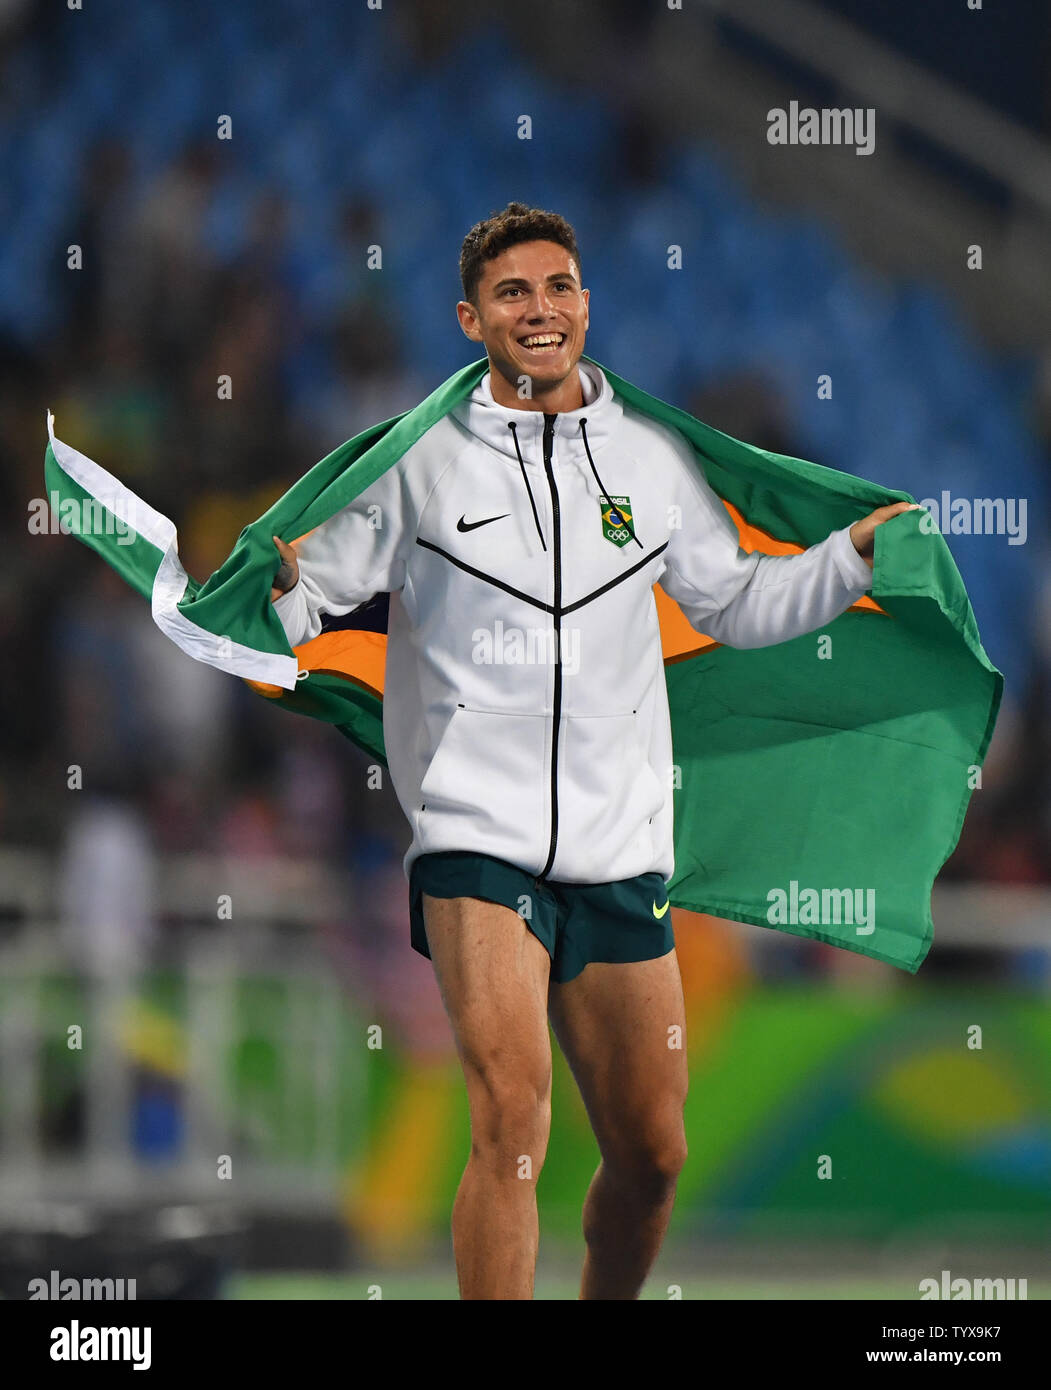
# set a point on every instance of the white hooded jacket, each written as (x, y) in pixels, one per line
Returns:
(525, 713)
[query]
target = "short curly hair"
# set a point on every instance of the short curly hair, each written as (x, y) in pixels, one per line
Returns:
(517, 223)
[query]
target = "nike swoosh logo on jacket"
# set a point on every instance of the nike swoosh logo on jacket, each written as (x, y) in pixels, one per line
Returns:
(525, 711)
(464, 525)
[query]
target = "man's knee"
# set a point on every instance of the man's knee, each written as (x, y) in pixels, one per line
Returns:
(648, 1162)
(510, 1108)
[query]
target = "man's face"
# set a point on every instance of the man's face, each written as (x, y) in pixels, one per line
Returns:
(531, 314)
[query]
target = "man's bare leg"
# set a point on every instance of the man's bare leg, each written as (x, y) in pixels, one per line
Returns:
(493, 976)
(616, 1025)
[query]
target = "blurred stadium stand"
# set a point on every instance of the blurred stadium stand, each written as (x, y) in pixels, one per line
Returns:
(397, 128)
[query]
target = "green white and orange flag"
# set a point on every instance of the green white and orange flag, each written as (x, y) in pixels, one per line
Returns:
(819, 789)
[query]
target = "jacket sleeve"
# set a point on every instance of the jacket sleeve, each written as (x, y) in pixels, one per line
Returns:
(356, 553)
(754, 600)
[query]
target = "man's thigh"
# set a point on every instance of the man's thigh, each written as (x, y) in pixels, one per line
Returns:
(493, 976)
(622, 1028)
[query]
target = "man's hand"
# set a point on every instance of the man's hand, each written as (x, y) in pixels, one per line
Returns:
(287, 576)
(863, 531)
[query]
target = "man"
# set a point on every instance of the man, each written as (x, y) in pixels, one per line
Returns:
(528, 737)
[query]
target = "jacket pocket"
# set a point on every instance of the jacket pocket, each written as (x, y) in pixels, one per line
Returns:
(490, 769)
(608, 792)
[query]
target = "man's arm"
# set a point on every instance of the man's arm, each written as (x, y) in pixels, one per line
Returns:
(341, 564)
(758, 600)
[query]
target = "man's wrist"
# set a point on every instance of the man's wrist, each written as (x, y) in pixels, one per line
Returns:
(855, 567)
(277, 594)
(286, 578)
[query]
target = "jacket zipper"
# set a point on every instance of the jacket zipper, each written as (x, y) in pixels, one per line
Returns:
(556, 551)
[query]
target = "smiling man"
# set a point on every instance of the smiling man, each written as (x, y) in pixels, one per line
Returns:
(539, 791)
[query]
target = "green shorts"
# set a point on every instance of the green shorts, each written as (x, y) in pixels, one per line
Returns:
(628, 920)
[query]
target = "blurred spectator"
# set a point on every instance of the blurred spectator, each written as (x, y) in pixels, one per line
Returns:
(107, 887)
(100, 228)
(171, 277)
